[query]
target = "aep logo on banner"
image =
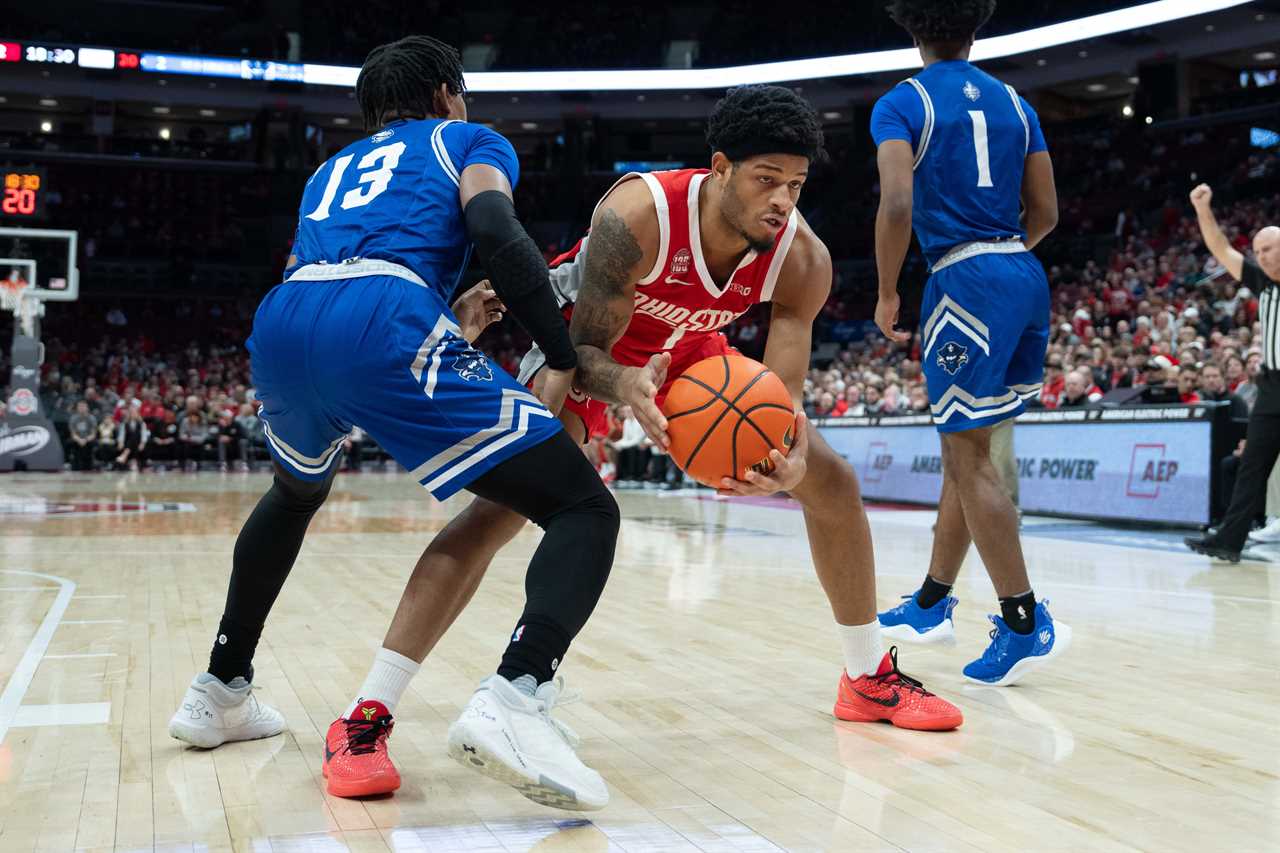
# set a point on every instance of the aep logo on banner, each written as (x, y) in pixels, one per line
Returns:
(1148, 470)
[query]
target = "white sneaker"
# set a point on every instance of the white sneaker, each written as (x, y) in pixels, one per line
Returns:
(1268, 534)
(213, 714)
(512, 737)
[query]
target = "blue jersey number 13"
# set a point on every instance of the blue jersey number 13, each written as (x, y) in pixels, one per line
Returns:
(386, 158)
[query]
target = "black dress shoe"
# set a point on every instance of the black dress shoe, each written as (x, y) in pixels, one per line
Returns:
(1210, 548)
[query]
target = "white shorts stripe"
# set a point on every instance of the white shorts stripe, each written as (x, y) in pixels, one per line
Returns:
(429, 353)
(306, 464)
(959, 408)
(512, 425)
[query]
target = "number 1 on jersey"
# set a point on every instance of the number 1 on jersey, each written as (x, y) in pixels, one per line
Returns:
(981, 148)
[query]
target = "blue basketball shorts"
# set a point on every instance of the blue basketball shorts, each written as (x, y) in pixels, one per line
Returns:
(384, 353)
(984, 337)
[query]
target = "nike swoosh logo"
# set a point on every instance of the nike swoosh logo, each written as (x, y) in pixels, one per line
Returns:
(673, 280)
(328, 756)
(888, 703)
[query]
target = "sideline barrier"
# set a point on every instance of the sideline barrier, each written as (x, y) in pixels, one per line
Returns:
(1131, 463)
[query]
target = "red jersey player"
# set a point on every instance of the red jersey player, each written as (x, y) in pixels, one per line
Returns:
(672, 258)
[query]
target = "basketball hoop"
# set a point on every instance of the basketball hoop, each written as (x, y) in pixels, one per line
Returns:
(11, 291)
(14, 297)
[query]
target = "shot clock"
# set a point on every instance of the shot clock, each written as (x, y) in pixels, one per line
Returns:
(22, 192)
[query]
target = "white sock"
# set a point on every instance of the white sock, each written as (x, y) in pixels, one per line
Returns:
(863, 649)
(386, 681)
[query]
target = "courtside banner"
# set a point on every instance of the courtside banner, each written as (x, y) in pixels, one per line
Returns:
(1136, 464)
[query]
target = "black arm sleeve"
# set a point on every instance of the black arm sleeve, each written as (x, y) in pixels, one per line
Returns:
(519, 276)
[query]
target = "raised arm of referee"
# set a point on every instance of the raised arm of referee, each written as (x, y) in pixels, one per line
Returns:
(1260, 274)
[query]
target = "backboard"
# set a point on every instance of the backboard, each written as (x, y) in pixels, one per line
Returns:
(50, 257)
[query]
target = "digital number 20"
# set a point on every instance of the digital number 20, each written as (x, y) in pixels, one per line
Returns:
(373, 182)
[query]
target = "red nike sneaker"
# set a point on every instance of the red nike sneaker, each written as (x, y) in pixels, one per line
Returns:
(356, 761)
(891, 695)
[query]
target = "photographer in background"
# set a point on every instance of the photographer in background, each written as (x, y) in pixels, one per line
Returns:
(1262, 445)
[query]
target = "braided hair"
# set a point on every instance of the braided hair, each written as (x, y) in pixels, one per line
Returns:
(934, 21)
(401, 78)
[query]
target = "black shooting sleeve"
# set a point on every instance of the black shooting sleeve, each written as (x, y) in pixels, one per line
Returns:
(519, 275)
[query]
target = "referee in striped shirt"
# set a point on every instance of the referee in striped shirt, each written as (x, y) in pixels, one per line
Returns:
(1261, 274)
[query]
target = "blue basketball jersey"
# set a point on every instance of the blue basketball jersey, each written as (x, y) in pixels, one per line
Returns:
(971, 135)
(393, 196)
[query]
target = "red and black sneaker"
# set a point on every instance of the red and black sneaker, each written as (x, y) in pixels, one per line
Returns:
(893, 696)
(356, 761)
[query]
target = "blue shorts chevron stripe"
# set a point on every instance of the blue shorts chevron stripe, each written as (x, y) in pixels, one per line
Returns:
(984, 336)
(385, 354)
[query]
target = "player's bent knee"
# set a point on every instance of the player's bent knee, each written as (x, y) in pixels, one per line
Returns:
(296, 495)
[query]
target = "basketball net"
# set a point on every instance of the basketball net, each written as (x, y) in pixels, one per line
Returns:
(14, 298)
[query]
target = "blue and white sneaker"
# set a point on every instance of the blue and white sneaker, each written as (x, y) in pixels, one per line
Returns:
(911, 623)
(1011, 656)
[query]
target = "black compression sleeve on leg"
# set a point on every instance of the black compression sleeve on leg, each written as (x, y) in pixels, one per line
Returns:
(265, 552)
(553, 485)
(519, 275)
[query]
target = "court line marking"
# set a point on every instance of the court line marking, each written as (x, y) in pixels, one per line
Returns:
(81, 655)
(92, 621)
(65, 714)
(16, 689)
(26, 588)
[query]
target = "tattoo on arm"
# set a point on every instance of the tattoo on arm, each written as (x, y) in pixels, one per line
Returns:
(605, 303)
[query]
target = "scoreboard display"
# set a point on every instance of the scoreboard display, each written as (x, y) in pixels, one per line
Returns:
(22, 194)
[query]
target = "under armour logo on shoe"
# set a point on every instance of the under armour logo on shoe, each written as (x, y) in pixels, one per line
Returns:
(196, 710)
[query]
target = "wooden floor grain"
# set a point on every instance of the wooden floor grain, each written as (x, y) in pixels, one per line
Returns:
(708, 674)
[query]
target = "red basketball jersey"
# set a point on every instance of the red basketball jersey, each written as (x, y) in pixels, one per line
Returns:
(678, 305)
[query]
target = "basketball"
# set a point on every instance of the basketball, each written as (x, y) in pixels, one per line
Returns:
(724, 415)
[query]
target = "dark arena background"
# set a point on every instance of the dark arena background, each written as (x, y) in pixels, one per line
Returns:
(154, 156)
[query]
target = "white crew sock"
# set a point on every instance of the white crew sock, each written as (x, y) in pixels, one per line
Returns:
(386, 681)
(863, 649)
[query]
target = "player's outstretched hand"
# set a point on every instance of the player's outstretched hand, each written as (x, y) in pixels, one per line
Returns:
(887, 318)
(638, 388)
(787, 471)
(552, 386)
(476, 309)
(1201, 196)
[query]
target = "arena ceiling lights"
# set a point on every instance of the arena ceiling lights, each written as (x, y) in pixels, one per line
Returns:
(1094, 26)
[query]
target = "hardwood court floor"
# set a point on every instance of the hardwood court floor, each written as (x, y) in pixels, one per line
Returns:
(708, 671)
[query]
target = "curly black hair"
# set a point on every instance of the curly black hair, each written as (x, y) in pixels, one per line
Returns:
(401, 78)
(753, 120)
(932, 21)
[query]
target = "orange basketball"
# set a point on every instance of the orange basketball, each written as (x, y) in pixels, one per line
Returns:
(724, 415)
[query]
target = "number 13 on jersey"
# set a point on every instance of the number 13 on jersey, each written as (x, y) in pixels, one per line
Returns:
(373, 182)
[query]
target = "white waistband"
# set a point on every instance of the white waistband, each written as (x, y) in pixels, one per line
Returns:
(969, 250)
(354, 268)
